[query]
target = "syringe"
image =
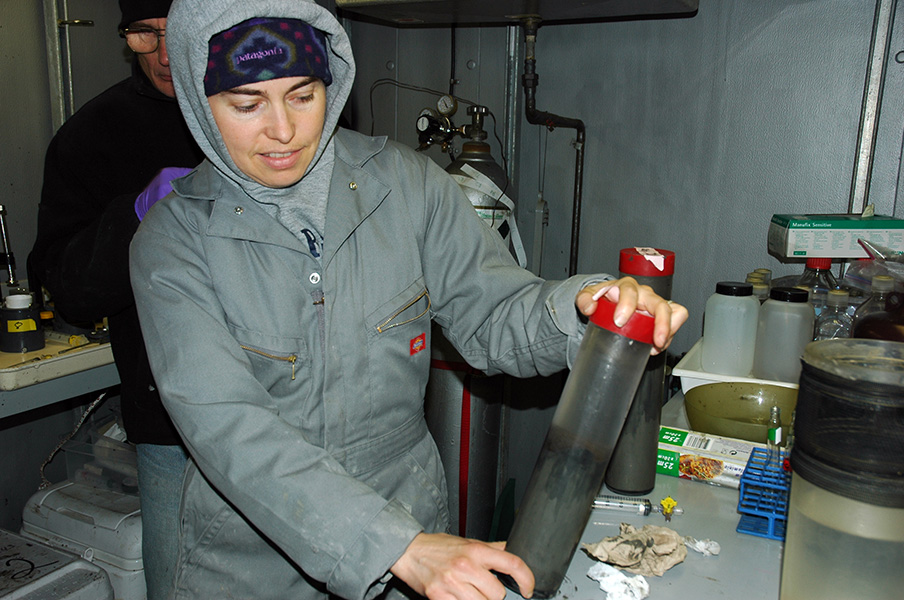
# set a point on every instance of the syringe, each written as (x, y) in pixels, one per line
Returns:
(638, 506)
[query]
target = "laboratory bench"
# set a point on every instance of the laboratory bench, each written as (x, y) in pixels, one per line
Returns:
(747, 568)
(57, 372)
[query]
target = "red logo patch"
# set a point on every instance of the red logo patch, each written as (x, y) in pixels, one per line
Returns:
(417, 344)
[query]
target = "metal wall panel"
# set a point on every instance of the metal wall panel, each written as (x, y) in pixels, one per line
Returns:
(698, 130)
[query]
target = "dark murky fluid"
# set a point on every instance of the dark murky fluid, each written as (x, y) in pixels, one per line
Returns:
(556, 507)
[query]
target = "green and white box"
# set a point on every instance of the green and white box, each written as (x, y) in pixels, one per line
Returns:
(832, 236)
(702, 456)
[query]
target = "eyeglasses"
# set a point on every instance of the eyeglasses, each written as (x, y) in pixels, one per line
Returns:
(142, 40)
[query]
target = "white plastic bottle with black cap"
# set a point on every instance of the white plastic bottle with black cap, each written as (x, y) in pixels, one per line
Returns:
(729, 329)
(785, 328)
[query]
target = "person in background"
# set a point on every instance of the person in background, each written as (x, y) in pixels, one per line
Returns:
(96, 165)
(286, 289)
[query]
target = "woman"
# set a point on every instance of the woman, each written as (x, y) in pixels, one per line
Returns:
(286, 291)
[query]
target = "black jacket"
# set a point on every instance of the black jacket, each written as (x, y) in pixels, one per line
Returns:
(96, 165)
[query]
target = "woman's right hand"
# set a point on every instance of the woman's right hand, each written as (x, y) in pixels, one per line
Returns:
(445, 567)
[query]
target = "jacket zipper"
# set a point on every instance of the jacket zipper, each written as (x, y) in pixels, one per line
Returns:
(290, 359)
(319, 304)
(383, 326)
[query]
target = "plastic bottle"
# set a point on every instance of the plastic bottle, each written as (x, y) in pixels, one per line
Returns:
(784, 329)
(20, 324)
(818, 278)
(729, 329)
(834, 321)
(880, 287)
(766, 273)
(573, 460)
(774, 438)
(761, 291)
(854, 276)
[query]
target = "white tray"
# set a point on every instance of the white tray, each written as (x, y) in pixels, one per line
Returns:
(18, 370)
(691, 372)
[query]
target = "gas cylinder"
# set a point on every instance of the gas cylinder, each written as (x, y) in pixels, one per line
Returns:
(463, 405)
(486, 200)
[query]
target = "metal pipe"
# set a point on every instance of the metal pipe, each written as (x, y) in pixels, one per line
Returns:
(551, 121)
(7, 251)
(883, 22)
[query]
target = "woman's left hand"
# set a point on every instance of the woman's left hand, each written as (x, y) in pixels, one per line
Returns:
(630, 296)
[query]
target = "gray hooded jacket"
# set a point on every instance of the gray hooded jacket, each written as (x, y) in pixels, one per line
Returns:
(298, 382)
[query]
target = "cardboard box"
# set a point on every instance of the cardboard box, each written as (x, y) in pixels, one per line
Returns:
(832, 236)
(703, 456)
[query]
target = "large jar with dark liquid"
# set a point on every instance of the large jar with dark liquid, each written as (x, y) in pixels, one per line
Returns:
(572, 463)
(845, 529)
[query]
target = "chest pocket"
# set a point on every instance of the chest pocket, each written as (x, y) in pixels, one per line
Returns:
(275, 360)
(410, 308)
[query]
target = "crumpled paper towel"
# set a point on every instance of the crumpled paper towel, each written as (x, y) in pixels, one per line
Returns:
(652, 550)
(617, 585)
(705, 547)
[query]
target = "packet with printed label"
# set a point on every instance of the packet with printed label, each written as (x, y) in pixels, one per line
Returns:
(702, 456)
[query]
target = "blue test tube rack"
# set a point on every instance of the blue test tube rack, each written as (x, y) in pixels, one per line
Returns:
(763, 500)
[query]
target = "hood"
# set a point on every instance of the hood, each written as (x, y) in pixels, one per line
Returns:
(191, 24)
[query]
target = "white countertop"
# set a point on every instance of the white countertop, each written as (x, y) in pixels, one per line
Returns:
(747, 568)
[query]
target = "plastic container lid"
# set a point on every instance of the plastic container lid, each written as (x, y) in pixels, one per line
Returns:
(819, 263)
(837, 298)
(17, 301)
(860, 360)
(638, 328)
(789, 294)
(633, 262)
(882, 283)
(734, 288)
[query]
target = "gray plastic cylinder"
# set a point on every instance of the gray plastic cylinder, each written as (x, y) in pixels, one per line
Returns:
(632, 468)
(572, 463)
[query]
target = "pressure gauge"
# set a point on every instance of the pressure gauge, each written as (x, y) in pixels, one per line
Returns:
(447, 105)
(427, 120)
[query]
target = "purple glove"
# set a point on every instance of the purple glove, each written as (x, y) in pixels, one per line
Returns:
(157, 189)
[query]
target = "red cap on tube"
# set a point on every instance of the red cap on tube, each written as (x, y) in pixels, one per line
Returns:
(639, 327)
(632, 261)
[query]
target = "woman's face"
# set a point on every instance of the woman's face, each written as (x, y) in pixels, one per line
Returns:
(272, 128)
